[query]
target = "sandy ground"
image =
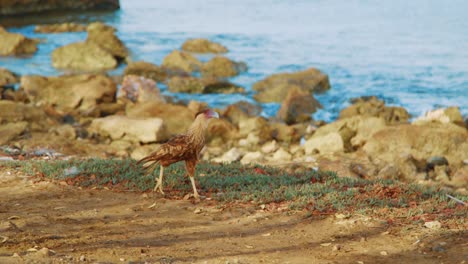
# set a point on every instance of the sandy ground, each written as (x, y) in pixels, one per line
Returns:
(45, 222)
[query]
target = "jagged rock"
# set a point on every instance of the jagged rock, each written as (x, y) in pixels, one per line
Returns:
(323, 144)
(178, 84)
(200, 45)
(275, 87)
(181, 61)
(60, 28)
(147, 70)
(281, 155)
(10, 131)
(139, 89)
(241, 111)
(251, 142)
(222, 67)
(234, 154)
(371, 106)
(460, 178)
(410, 146)
(257, 125)
(220, 131)
(136, 130)
(66, 131)
(13, 7)
(298, 106)
(252, 157)
(104, 36)
(196, 106)
(68, 92)
(14, 44)
(12, 112)
(177, 118)
(270, 147)
(443, 115)
(83, 56)
(287, 133)
(7, 78)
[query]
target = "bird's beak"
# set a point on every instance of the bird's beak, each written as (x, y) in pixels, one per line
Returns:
(213, 114)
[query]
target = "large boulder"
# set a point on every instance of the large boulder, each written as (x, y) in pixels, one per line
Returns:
(220, 131)
(104, 36)
(442, 115)
(68, 92)
(371, 106)
(298, 106)
(324, 144)
(14, 44)
(11, 131)
(201, 45)
(411, 146)
(60, 28)
(177, 118)
(135, 130)
(241, 111)
(13, 112)
(147, 70)
(7, 78)
(179, 84)
(14, 7)
(274, 88)
(354, 132)
(83, 56)
(179, 61)
(257, 126)
(139, 89)
(222, 67)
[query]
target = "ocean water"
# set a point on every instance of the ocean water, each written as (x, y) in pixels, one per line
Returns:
(409, 53)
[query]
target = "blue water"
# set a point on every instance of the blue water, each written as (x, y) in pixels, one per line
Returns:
(409, 53)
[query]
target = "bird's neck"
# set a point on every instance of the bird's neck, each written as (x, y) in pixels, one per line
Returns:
(197, 129)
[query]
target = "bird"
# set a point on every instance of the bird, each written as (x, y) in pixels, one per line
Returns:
(184, 147)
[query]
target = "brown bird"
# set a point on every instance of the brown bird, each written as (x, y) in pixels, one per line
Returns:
(185, 147)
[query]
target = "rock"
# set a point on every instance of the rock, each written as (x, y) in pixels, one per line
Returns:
(284, 133)
(257, 125)
(322, 144)
(60, 28)
(275, 87)
(189, 84)
(136, 130)
(298, 106)
(371, 106)
(433, 225)
(65, 131)
(384, 253)
(460, 178)
(281, 155)
(221, 131)
(201, 45)
(12, 7)
(196, 106)
(140, 89)
(222, 67)
(45, 252)
(250, 142)
(354, 131)
(68, 92)
(105, 38)
(181, 61)
(147, 70)
(14, 44)
(7, 78)
(11, 131)
(240, 111)
(11, 112)
(177, 118)
(270, 147)
(221, 87)
(83, 56)
(444, 116)
(234, 154)
(410, 146)
(252, 157)
(390, 171)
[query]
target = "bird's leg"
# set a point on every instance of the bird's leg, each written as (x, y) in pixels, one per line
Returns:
(195, 192)
(190, 166)
(159, 181)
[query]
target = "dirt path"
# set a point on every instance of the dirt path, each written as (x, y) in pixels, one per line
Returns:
(52, 223)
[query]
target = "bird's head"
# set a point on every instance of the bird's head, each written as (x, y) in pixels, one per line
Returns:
(207, 114)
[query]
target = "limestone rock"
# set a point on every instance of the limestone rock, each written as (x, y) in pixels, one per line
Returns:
(241, 111)
(11, 112)
(222, 67)
(139, 89)
(83, 56)
(275, 87)
(298, 106)
(234, 154)
(100, 35)
(287, 133)
(371, 106)
(10, 131)
(60, 28)
(328, 143)
(281, 155)
(13, 7)
(252, 157)
(201, 45)
(442, 115)
(7, 78)
(147, 70)
(257, 125)
(270, 147)
(66, 131)
(68, 92)
(222, 131)
(181, 61)
(14, 44)
(137, 130)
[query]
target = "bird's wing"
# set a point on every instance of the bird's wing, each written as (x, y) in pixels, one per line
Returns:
(176, 149)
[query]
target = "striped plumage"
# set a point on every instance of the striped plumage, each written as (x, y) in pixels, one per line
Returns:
(185, 147)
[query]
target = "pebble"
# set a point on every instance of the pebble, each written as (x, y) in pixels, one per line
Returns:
(336, 247)
(82, 258)
(433, 225)
(15, 255)
(383, 253)
(198, 211)
(325, 244)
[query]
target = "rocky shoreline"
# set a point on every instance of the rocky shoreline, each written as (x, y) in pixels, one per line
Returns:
(85, 113)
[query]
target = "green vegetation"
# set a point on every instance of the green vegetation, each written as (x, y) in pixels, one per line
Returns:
(304, 189)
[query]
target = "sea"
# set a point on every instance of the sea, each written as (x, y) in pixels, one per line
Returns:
(412, 54)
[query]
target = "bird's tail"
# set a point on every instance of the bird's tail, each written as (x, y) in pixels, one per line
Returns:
(149, 163)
